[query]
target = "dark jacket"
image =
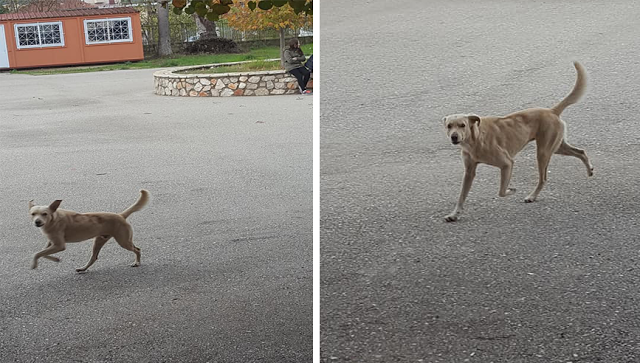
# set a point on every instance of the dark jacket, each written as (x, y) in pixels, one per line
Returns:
(293, 59)
(309, 63)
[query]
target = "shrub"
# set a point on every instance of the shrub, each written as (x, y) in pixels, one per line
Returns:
(212, 45)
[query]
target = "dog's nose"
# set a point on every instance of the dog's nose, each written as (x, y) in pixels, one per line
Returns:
(454, 138)
(39, 223)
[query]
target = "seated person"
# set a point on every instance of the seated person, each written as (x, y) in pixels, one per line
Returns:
(293, 58)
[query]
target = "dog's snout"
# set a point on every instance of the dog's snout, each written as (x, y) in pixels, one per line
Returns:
(39, 223)
(455, 138)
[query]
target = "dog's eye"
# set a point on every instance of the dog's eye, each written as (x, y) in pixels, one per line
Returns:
(33, 214)
(462, 125)
(44, 214)
(449, 126)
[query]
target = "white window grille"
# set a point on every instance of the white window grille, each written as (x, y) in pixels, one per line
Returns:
(108, 31)
(39, 35)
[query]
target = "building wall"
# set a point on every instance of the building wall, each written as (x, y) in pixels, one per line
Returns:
(115, 52)
(74, 51)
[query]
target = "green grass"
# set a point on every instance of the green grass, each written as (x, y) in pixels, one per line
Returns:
(245, 67)
(173, 61)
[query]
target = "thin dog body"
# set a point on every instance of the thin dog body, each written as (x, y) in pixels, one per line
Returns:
(496, 141)
(62, 226)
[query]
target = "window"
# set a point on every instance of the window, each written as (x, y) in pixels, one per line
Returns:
(39, 35)
(108, 31)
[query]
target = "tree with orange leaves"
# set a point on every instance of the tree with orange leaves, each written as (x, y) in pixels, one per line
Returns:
(243, 17)
(213, 9)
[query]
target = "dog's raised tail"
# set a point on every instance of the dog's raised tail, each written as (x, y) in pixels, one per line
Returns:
(576, 92)
(142, 201)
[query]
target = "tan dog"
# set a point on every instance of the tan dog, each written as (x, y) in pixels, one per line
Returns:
(497, 140)
(62, 226)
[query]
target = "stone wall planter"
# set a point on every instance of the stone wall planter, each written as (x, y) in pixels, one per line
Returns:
(262, 83)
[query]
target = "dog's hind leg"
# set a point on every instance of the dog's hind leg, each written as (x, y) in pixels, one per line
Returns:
(129, 246)
(544, 154)
(546, 145)
(98, 243)
(566, 149)
(125, 240)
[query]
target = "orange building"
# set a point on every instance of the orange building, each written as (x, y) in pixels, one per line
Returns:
(68, 37)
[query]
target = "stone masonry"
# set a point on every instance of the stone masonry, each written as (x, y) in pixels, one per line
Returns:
(263, 83)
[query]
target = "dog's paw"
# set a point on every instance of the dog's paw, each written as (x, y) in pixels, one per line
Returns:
(529, 199)
(135, 264)
(451, 218)
(508, 192)
(590, 171)
(34, 265)
(56, 259)
(81, 270)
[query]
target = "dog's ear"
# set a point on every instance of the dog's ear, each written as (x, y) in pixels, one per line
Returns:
(444, 120)
(474, 118)
(53, 206)
(31, 204)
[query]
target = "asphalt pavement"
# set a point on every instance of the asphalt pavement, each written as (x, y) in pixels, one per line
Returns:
(226, 240)
(550, 281)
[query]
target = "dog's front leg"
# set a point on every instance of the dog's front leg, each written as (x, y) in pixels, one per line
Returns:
(469, 174)
(52, 258)
(53, 248)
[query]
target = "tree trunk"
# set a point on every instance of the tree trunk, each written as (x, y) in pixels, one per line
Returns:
(13, 6)
(164, 35)
(206, 28)
(282, 46)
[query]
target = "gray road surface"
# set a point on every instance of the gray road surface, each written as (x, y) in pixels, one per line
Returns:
(226, 241)
(552, 281)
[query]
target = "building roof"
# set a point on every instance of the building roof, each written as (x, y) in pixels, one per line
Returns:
(69, 13)
(50, 5)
